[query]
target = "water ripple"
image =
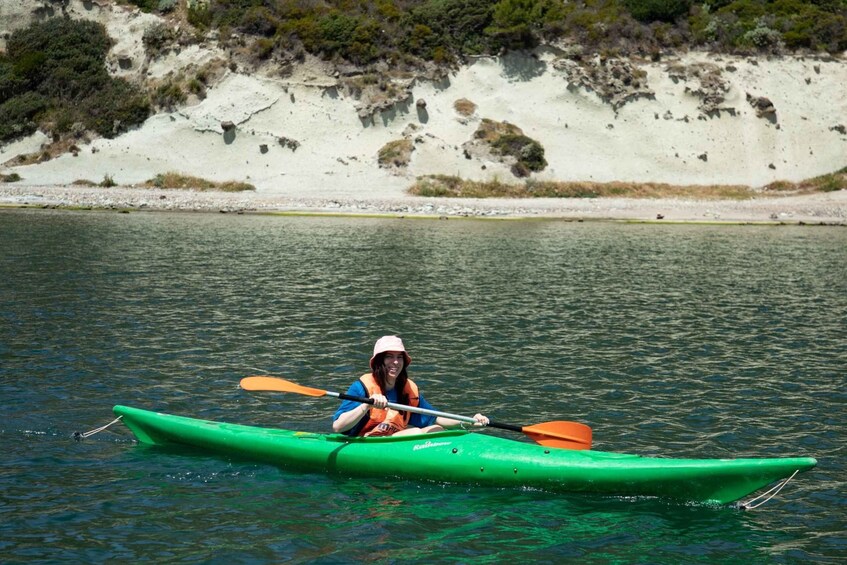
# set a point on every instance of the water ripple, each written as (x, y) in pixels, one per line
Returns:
(683, 341)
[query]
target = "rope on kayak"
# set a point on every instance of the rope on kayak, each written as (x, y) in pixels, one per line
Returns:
(749, 504)
(79, 436)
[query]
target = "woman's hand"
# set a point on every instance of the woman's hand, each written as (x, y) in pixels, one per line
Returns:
(379, 401)
(481, 420)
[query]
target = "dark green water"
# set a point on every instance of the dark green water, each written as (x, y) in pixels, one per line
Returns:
(679, 341)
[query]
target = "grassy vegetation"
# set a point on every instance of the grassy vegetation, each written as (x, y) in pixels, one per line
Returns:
(824, 183)
(179, 180)
(455, 187)
(396, 153)
(175, 180)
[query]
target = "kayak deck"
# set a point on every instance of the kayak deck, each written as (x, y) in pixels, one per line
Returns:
(471, 458)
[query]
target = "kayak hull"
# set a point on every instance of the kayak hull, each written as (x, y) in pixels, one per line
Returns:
(471, 458)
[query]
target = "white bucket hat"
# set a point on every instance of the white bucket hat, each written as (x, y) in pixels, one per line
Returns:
(389, 343)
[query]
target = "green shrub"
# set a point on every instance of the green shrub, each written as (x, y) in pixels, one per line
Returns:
(262, 48)
(820, 26)
(816, 29)
(60, 39)
(259, 20)
(657, 10)
(117, 108)
(165, 6)
(516, 22)
(199, 16)
(528, 152)
(336, 31)
(53, 75)
(406, 31)
(354, 38)
(10, 81)
(197, 87)
(156, 37)
(457, 26)
(169, 95)
(18, 115)
(162, 6)
(762, 36)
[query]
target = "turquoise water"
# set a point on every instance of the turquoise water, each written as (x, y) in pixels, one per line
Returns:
(670, 340)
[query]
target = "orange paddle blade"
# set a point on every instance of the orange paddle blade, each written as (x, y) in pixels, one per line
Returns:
(566, 435)
(274, 384)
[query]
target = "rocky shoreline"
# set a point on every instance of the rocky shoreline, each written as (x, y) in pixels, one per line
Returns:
(813, 209)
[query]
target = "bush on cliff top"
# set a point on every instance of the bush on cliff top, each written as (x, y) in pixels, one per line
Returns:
(449, 30)
(53, 76)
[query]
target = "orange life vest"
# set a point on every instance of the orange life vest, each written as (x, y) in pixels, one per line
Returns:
(388, 421)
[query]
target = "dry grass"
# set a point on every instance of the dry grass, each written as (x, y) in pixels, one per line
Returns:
(396, 153)
(455, 187)
(824, 183)
(490, 130)
(464, 107)
(50, 151)
(178, 180)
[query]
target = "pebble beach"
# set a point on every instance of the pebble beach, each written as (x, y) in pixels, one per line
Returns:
(814, 209)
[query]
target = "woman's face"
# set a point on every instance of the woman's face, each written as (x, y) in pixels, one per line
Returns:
(393, 362)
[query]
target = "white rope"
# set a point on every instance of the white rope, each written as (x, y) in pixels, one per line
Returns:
(777, 488)
(80, 436)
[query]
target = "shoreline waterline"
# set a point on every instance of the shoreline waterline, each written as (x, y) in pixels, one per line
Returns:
(828, 209)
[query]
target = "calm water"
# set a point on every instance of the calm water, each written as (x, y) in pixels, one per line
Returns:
(680, 341)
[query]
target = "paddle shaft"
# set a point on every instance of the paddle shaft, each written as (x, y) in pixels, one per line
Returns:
(567, 435)
(415, 409)
(525, 429)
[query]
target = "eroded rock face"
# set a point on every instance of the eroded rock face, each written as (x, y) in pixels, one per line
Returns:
(616, 81)
(377, 93)
(704, 81)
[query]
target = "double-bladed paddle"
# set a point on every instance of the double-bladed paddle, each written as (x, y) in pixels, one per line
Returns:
(566, 435)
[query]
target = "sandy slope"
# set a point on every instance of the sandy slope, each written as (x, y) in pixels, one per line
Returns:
(666, 139)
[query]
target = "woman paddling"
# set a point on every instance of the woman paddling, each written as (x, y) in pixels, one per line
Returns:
(387, 382)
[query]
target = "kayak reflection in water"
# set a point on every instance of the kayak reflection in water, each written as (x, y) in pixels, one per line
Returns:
(387, 382)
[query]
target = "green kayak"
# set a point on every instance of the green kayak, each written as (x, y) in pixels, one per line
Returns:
(471, 458)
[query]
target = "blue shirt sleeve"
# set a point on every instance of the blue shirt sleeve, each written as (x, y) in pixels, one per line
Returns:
(421, 420)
